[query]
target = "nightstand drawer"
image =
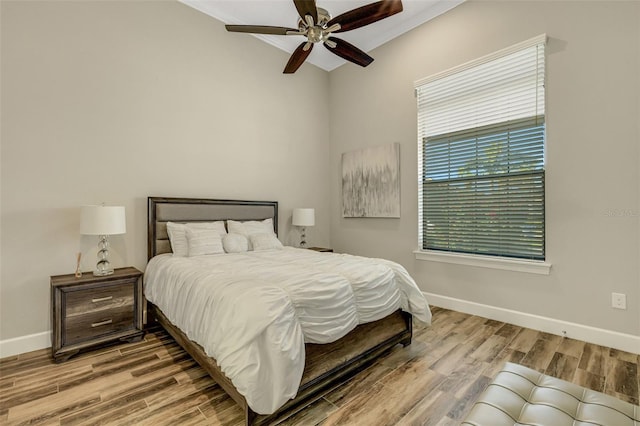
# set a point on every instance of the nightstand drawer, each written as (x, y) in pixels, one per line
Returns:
(79, 328)
(99, 299)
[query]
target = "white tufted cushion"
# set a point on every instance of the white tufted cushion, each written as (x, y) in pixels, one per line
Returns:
(235, 243)
(519, 395)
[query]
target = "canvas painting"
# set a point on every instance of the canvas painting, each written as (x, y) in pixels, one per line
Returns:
(371, 182)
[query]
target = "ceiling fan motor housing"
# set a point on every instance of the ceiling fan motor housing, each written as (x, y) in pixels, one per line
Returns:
(318, 31)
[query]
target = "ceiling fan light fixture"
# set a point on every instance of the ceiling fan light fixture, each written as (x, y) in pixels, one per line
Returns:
(333, 28)
(314, 34)
(309, 20)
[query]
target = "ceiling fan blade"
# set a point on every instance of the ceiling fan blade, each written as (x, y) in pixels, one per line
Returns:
(307, 7)
(349, 52)
(366, 15)
(260, 29)
(297, 58)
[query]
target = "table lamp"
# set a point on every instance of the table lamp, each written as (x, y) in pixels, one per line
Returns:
(102, 221)
(303, 218)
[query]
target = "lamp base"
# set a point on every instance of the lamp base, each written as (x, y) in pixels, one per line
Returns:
(303, 238)
(97, 273)
(103, 267)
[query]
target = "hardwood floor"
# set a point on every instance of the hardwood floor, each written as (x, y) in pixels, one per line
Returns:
(433, 381)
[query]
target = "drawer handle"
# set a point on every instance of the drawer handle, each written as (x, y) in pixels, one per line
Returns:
(102, 299)
(105, 322)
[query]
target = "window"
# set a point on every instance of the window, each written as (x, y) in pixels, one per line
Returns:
(481, 132)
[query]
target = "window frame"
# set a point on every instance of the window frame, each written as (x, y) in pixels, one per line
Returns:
(537, 266)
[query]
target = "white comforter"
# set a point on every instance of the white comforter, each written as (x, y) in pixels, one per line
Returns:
(254, 311)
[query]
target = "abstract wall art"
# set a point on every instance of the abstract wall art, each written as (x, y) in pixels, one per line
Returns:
(371, 182)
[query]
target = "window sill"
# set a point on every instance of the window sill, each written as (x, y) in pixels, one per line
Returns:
(493, 262)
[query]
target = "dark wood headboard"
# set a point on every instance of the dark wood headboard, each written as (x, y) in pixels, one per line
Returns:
(162, 210)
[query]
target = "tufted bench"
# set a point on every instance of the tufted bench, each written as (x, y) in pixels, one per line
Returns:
(521, 396)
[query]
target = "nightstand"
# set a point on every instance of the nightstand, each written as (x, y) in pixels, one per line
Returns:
(91, 311)
(321, 249)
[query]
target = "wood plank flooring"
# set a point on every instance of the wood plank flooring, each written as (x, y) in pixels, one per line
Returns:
(434, 381)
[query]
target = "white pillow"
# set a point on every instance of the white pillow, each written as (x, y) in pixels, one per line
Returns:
(178, 239)
(235, 243)
(265, 241)
(251, 227)
(203, 241)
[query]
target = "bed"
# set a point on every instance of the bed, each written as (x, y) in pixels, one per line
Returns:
(325, 365)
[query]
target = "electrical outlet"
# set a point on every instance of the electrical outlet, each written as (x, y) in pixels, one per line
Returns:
(618, 301)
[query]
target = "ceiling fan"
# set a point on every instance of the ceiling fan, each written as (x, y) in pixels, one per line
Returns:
(316, 24)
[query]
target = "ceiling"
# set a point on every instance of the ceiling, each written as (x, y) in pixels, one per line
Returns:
(283, 13)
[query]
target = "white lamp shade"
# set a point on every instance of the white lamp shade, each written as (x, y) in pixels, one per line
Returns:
(102, 220)
(303, 217)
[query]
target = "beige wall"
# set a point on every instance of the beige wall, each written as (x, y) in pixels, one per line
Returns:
(592, 154)
(116, 101)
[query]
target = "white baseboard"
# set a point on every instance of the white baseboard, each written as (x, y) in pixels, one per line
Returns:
(23, 344)
(599, 336)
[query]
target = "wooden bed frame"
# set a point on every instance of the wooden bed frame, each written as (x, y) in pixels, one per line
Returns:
(326, 365)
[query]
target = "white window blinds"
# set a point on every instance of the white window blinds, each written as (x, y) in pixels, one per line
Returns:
(481, 132)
